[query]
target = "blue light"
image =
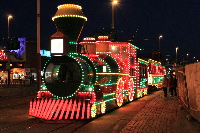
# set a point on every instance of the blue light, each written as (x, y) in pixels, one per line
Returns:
(45, 53)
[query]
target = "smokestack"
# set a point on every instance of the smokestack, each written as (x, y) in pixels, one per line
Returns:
(69, 19)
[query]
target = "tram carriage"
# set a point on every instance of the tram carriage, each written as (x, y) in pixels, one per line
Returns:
(83, 83)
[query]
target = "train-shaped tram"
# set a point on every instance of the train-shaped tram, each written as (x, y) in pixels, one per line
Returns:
(82, 81)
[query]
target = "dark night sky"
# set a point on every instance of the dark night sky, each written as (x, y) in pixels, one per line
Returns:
(176, 20)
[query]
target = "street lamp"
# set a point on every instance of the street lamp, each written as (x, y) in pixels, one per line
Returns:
(38, 47)
(176, 54)
(159, 45)
(114, 2)
(8, 63)
(187, 57)
(159, 41)
(194, 59)
(9, 17)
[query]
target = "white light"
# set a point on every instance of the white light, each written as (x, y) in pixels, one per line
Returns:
(115, 2)
(104, 69)
(90, 89)
(56, 45)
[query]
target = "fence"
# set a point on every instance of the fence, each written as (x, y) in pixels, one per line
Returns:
(189, 88)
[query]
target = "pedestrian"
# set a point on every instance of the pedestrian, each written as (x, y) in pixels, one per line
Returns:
(164, 85)
(172, 83)
(6, 81)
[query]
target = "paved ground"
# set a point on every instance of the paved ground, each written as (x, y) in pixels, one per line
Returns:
(17, 90)
(16, 94)
(160, 115)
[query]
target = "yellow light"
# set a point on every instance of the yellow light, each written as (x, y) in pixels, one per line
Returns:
(89, 38)
(103, 107)
(109, 74)
(115, 2)
(157, 75)
(10, 16)
(102, 37)
(93, 111)
(69, 5)
(69, 10)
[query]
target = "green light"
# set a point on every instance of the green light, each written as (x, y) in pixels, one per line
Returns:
(143, 83)
(111, 94)
(110, 99)
(157, 79)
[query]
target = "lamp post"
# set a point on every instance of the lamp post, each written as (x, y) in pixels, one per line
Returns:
(9, 18)
(114, 2)
(8, 63)
(194, 58)
(187, 57)
(176, 55)
(159, 45)
(159, 41)
(38, 47)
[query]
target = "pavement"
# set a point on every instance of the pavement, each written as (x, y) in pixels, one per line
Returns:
(160, 114)
(163, 115)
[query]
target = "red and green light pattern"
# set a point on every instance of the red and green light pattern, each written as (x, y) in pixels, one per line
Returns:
(131, 91)
(120, 92)
(129, 83)
(57, 109)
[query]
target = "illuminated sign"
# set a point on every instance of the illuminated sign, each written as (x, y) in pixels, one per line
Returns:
(45, 53)
(56, 45)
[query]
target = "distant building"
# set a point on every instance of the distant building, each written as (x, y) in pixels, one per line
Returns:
(20, 63)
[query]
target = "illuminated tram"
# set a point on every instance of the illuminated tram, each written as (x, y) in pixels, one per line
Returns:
(81, 81)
